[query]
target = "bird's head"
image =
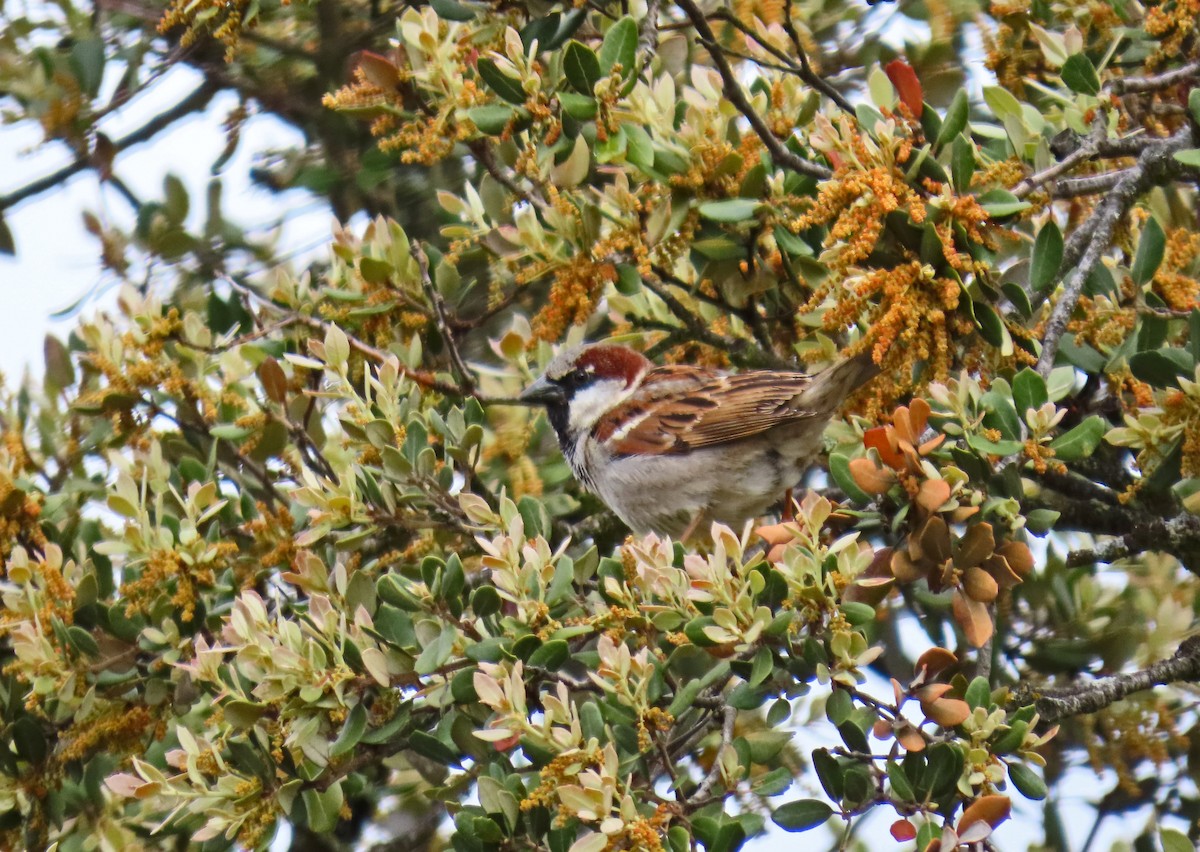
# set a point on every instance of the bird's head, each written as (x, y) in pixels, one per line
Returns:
(582, 383)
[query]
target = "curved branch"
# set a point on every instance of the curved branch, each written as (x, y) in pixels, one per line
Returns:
(194, 102)
(1090, 697)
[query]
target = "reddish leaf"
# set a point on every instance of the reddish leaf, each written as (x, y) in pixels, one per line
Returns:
(907, 85)
(909, 737)
(976, 546)
(947, 712)
(980, 585)
(103, 154)
(273, 379)
(379, 71)
(902, 831)
(973, 617)
(932, 692)
(872, 479)
(933, 494)
(935, 661)
(992, 810)
(506, 744)
(904, 569)
(879, 438)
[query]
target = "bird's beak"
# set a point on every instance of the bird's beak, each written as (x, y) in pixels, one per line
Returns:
(542, 392)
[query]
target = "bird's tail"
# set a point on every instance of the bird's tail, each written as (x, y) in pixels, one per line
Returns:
(830, 387)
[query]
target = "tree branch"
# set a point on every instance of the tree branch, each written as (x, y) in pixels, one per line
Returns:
(194, 102)
(703, 792)
(1090, 697)
(1153, 163)
(1155, 82)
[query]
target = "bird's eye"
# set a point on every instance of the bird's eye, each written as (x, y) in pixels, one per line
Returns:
(580, 375)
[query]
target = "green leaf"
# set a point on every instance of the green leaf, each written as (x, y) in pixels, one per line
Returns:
(1081, 441)
(1047, 257)
(729, 210)
(1041, 521)
(551, 655)
(773, 783)
(1002, 102)
(620, 47)
(87, 63)
(374, 270)
(581, 67)
(242, 714)
(801, 815)
(945, 764)
(1000, 203)
(839, 469)
(323, 807)
(579, 107)
(1031, 785)
(1149, 252)
(1080, 75)
(901, 786)
(978, 694)
(719, 248)
(485, 601)
(761, 666)
(962, 164)
(1190, 156)
(503, 85)
(1029, 390)
(1172, 840)
(83, 641)
(858, 614)
(492, 119)
(955, 121)
(352, 731)
(829, 773)
(175, 203)
(1194, 104)
(450, 10)
(639, 149)
(393, 589)
(431, 747)
(991, 327)
(1161, 368)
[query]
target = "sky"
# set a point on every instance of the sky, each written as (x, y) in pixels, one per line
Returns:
(57, 261)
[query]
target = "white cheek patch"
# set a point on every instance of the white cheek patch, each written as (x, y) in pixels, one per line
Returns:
(591, 403)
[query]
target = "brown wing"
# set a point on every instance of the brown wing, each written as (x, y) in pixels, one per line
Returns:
(680, 408)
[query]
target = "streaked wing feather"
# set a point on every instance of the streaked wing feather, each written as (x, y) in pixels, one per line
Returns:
(678, 409)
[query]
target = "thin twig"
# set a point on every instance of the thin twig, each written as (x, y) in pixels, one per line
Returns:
(1152, 163)
(648, 34)
(807, 73)
(700, 332)
(487, 158)
(1109, 551)
(194, 102)
(733, 91)
(701, 796)
(1155, 82)
(465, 378)
(1053, 705)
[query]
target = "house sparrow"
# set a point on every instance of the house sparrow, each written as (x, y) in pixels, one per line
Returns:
(671, 449)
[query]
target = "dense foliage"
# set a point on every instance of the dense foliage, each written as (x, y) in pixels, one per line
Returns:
(278, 548)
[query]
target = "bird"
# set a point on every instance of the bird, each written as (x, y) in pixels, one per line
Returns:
(671, 449)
